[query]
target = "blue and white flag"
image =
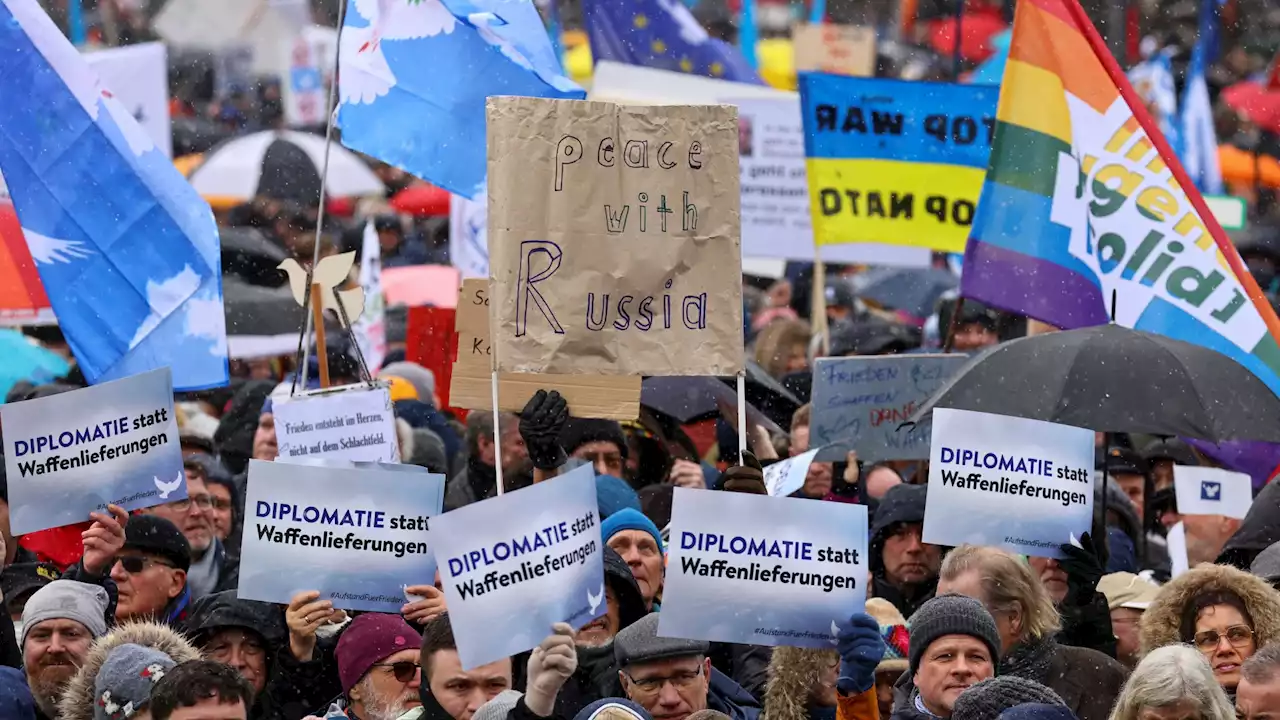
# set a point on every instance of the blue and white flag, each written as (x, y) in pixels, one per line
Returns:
(1199, 140)
(662, 34)
(414, 76)
(127, 251)
(1153, 80)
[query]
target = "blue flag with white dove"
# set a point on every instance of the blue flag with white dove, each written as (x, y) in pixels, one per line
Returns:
(1199, 140)
(661, 34)
(128, 253)
(414, 76)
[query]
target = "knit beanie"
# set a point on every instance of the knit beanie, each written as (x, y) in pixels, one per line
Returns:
(67, 600)
(989, 698)
(893, 630)
(122, 687)
(369, 640)
(629, 519)
(422, 379)
(1038, 711)
(951, 615)
(580, 431)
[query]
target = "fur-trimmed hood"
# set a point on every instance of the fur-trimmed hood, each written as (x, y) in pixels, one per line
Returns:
(1161, 622)
(77, 700)
(793, 673)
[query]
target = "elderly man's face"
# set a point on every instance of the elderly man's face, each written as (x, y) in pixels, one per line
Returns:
(243, 650)
(146, 586)
(669, 689)
(1258, 701)
(462, 692)
(54, 650)
(644, 558)
(389, 689)
(264, 438)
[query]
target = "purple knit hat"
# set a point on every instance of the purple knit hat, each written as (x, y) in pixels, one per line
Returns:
(369, 640)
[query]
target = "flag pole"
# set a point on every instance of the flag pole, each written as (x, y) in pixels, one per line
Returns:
(1139, 110)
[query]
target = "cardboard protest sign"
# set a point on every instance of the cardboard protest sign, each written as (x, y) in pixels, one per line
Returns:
(1024, 485)
(589, 396)
(862, 402)
(515, 564)
(1212, 491)
(797, 574)
(69, 454)
(895, 162)
(357, 423)
(614, 238)
(356, 535)
(787, 476)
(838, 49)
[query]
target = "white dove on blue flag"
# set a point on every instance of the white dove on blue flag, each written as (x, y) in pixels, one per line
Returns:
(127, 251)
(1200, 140)
(414, 76)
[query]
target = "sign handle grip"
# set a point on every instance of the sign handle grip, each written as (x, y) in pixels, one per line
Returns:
(497, 431)
(742, 417)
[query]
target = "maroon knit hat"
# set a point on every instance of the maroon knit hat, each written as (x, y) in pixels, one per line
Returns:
(369, 640)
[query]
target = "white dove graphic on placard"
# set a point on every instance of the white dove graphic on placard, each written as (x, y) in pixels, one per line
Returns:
(361, 48)
(332, 272)
(168, 488)
(46, 250)
(595, 600)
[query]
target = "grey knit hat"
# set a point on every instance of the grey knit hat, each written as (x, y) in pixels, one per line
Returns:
(989, 698)
(498, 707)
(639, 643)
(950, 615)
(123, 685)
(67, 600)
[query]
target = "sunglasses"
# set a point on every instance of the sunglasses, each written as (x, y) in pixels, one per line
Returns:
(404, 670)
(134, 564)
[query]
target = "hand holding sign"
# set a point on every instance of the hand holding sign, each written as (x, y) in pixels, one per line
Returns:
(104, 540)
(550, 665)
(430, 605)
(305, 615)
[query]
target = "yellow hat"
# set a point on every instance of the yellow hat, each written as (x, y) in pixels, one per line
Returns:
(401, 389)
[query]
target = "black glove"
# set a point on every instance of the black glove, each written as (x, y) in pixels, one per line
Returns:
(1084, 569)
(541, 421)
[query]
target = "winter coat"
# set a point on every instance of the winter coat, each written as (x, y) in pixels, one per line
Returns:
(292, 688)
(78, 699)
(461, 490)
(1162, 622)
(726, 696)
(1088, 681)
(1260, 528)
(902, 504)
(793, 674)
(748, 665)
(858, 707)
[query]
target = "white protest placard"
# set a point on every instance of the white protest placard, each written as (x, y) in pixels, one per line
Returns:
(138, 76)
(787, 476)
(469, 236)
(614, 241)
(831, 48)
(514, 564)
(615, 397)
(356, 535)
(1024, 485)
(353, 423)
(69, 454)
(1212, 491)
(862, 402)
(1177, 540)
(792, 570)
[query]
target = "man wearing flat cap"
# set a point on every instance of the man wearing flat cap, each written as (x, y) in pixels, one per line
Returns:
(672, 678)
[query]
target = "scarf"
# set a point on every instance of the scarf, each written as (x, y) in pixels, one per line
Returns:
(596, 665)
(202, 578)
(1030, 660)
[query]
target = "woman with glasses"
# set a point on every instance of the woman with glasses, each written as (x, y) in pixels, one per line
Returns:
(1224, 613)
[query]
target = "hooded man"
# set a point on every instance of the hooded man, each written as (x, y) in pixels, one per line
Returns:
(904, 568)
(673, 678)
(59, 624)
(252, 637)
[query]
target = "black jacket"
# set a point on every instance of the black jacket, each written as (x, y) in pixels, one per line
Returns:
(1259, 530)
(293, 689)
(902, 504)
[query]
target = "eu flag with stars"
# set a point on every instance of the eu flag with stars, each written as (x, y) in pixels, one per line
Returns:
(661, 34)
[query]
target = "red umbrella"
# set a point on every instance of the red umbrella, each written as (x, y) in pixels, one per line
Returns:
(422, 201)
(977, 25)
(1258, 103)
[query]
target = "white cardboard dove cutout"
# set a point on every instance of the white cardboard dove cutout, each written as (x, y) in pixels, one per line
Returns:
(331, 273)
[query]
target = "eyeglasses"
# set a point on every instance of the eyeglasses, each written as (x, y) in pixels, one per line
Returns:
(204, 502)
(680, 681)
(1237, 635)
(219, 503)
(404, 670)
(134, 564)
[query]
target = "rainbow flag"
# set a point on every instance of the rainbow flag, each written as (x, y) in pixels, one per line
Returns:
(1084, 202)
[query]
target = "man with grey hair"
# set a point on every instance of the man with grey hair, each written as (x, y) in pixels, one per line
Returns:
(478, 480)
(672, 678)
(1258, 694)
(59, 624)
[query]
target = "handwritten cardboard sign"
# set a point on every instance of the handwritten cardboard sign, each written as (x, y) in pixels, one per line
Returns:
(862, 401)
(589, 396)
(838, 49)
(614, 238)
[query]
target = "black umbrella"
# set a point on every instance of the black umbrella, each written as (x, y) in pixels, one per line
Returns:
(260, 311)
(692, 398)
(914, 291)
(1113, 379)
(252, 257)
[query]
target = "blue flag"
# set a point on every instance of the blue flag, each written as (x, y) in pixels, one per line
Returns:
(1199, 140)
(1153, 81)
(128, 253)
(415, 75)
(661, 34)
